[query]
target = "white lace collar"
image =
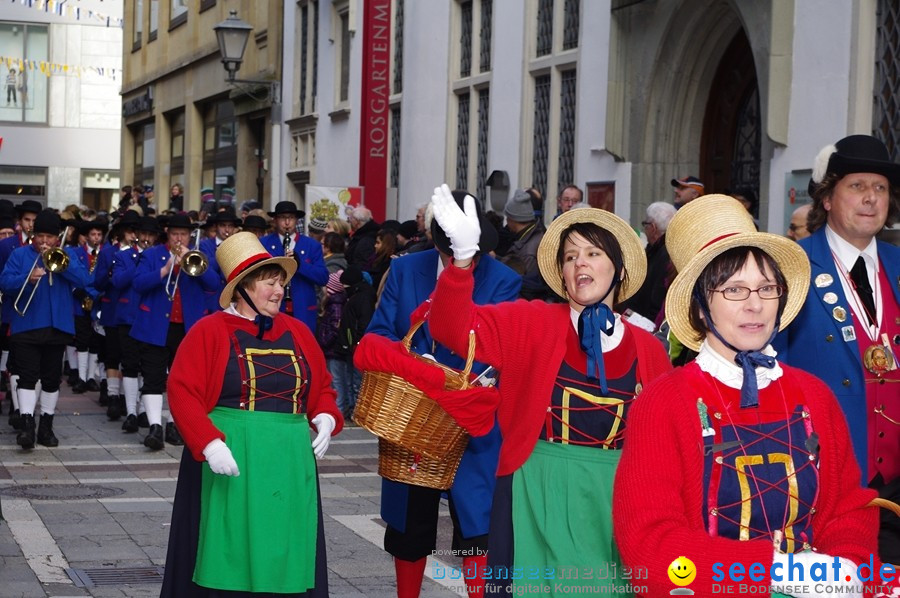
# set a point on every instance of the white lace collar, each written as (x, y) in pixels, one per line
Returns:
(730, 374)
(607, 343)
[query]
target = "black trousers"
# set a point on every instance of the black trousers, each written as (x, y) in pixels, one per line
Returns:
(889, 527)
(420, 538)
(155, 360)
(130, 352)
(39, 356)
(112, 352)
(83, 331)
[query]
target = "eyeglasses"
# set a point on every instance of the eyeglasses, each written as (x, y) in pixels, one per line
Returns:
(795, 227)
(769, 291)
(646, 223)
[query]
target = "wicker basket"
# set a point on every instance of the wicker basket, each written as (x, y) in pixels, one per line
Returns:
(395, 410)
(402, 465)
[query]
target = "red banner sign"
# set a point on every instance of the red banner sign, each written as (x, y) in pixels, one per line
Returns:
(373, 136)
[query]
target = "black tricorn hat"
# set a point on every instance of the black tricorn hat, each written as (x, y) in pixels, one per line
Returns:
(29, 205)
(47, 222)
(855, 153)
(180, 221)
(489, 237)
(255, 222)
(287, 207)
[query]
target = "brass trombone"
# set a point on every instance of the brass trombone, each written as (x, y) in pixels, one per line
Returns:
(193, 263)
(55, 260)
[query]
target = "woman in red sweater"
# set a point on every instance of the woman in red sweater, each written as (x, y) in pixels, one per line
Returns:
(735, 461)
(247, 517)
(568, 375)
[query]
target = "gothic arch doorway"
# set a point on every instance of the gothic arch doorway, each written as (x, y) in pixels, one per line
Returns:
(731, 140)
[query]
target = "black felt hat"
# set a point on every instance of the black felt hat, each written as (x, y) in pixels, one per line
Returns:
(29, 205)
(489, 237)
(47, 222)
(856, 153)
(287, 207)
(148, 224)
(180, 221)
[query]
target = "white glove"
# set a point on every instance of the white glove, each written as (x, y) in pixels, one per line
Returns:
(325, 424)
(462, 228)
(220, 460)
(807, 560)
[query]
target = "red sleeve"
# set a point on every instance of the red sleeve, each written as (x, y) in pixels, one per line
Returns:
(658, 494)
(195, 382)
(322, 396)
(453, 314)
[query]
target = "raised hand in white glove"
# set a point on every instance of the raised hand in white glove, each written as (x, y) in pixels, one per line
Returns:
(807, 560)
(461, 227)
(220, 460)
(325, 425)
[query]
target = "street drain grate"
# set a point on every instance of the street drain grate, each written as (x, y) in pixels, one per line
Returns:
(88, 578)
(60, 491)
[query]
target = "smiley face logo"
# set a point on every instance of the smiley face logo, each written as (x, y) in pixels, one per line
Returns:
(682, 571)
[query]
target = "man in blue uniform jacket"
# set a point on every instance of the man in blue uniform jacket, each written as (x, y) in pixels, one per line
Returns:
(41, 329)
(226, 223)
(848, 332)
(300, 298)
(170, 303)
(411, 512)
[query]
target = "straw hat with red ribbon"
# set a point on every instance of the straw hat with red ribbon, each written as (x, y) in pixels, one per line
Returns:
(704, 229)
(239, 255)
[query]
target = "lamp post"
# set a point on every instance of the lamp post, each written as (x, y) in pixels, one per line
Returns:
(232, 35)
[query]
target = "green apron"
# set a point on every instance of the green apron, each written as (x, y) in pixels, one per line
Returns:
(272, 503)
(562, 521)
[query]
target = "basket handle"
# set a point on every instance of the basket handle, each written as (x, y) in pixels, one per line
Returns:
(886, 504)
(470, 357)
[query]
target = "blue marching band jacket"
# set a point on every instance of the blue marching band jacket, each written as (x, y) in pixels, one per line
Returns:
(53, 304)
(7, 246)
(311, 271)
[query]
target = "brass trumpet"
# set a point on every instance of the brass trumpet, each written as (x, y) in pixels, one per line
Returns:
(55, 260)
(193, 263)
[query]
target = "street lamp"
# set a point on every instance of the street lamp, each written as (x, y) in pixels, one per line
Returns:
(232, 34)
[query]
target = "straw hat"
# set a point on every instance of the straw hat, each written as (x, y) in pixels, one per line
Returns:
(704, 229)
(632, 253)
(239, 255)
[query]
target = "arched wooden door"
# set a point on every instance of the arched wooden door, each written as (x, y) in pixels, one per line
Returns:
(731, 138)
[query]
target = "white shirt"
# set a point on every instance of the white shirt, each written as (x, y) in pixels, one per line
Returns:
(607, 343)
(231, 310)
(731, 374)
(846, 256)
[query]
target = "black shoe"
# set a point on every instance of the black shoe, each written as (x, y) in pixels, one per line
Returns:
(142, 420)
(154, 438)
(25, 439)
(73, 377)
(130, 424)
(92, 386)
(114, 409)
(45, 435)
(79, 386)
(15, 420)
(172, 435)
(104, 393)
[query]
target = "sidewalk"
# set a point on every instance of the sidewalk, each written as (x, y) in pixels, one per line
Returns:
(101, 501)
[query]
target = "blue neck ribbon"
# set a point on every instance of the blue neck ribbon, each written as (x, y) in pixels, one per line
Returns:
(262, 322)
(593, 320)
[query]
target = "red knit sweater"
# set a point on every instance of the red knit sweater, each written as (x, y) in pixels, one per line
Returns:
(657, 510)
(526, 342)
(195, 381)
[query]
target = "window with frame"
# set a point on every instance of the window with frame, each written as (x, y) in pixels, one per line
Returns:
(154, 20)
(303, 148)
(179, 13)
(886, 100)
(25, 87)
(397, 81)
(552, 128)
(219, 150)
(309, 19)
(473, 23)
(138, 23)
(342, 11)
(144, 152)
(176, 143)
(18, 183)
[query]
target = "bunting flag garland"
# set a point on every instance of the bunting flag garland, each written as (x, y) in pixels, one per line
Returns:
(63, 8)
(53, 68)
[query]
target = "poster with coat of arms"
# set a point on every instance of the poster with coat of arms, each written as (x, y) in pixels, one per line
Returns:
(328, 203)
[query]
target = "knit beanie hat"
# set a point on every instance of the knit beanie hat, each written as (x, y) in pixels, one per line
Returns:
(317, 225)
(518, 207)
(409, 229)
(47, 222)
(334, 286)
